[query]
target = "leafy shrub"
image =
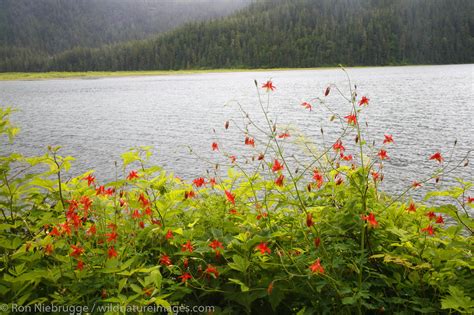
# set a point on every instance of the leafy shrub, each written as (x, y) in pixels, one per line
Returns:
(264, 239)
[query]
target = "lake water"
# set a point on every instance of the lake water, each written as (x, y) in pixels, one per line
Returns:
(425, 108)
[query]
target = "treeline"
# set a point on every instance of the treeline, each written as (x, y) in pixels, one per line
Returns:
(297, 33)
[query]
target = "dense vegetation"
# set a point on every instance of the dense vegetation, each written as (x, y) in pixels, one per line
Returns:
(271, 237)
(34, 29)
(282, 33)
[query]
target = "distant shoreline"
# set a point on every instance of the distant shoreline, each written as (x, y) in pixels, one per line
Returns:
(34, 76)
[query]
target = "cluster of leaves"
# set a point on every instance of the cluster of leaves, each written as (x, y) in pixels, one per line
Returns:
(266, 240)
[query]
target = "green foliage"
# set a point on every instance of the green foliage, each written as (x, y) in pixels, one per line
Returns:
(324, 242)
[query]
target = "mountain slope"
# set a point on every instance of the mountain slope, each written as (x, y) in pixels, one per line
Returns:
(53, 26)
(297, 33)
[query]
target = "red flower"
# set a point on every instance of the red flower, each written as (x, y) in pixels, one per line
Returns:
(270, 288)
(309, 220)
(186, 276)
(212, 270)
(346, 157)
(54, 232)
(143, 200)
(284, 135)
(364, 101)
(307, 106)
(431, 215)
(351, 119)
(277, 166)
(198, 182)
(439, 219)
(169, 234)
(136, 214)
(86, 204)
(92, 230)
(216, 244)
(328, 89)
(189, 194)
(388, 139)
(416, 184)
(187, 247)
(250, 141)
(165, 260)
(132, 175)
(80, 265)
(269, 86)
(215, 146)
(316, 267)
(76, 251)
(233, 211)
(383, 155)
(111, 237)
(100, 190)
(48, 249)
(317, 242)
(429, 229)
(370, 219)
(148, 211)
(90, 179)
(232, 159)
(437, 156)
(337, 146)
(318, 177)
(279, 180)
(65, 228)
(375, 175)
(112, 226)
(112, 252)
(470, 199)
(411, 207)
(230, 196)
(263, 248)
(212, 181)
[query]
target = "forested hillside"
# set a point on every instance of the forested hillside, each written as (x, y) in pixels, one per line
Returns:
(297, 33)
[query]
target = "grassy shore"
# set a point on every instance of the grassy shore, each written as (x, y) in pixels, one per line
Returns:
(10, 76)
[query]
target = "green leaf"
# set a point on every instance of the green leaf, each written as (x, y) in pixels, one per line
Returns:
(240, 263)
(458, 301)
(243, 286)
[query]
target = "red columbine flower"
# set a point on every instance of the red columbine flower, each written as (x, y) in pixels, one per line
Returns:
(263, 248)
(375, 175)
(230, 196)
(316, 267)
(284, 135)
(437, 156)
(112, 226)
(470, 199)
(351, 119)
(429, 229)
(76, 251)
(48, 249)
(132, 175)
(212, 181)
(212, 270)
(269, 86)
(388, 139)
(143, 200)
(364, 101)
(189, 194)
(86, 204)
(279, 180)
(136, 214)
(91, 231)
(416, 184)
(439, 219)
(346, 157)
(54, 232)
(111, 237)
(148, 211)
(337, 146)
(317, 242)
(215, 146)
(250, 141)
(165, 260)
(411, 207)
(169, 234)
(198, 182)
(65, 228)
(370, 219)
(100, 190)
(215, 244)
(187, 247)
(232, 159)
(383, 155)
(328, 89)
(233, 211)
(307, 106)
(141, 224)
(309, 220)
(112, 252)
(80, 265)
(186, 276)
(431, 215)
(90, 179)
(277, 166)
(318, 177)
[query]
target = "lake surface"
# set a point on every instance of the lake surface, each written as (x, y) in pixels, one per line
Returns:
(425, 108)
